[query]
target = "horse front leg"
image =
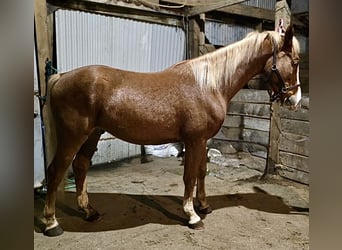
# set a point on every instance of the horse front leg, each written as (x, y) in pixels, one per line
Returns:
(204, 207)
(80, 166)
(195, 152)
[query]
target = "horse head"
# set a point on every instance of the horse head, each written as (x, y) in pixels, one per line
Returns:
(282, 71)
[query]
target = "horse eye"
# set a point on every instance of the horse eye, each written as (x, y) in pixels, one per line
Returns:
(295, 61)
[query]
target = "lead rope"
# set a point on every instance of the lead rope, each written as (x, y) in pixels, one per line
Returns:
(49, 70)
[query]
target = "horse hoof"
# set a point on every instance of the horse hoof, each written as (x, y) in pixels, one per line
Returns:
(55, 231)
(93, 217)
(206, 210)
(197, 226)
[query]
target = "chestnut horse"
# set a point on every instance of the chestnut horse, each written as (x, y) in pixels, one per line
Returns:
(186, 102)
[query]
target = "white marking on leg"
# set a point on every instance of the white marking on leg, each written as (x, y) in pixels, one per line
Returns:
(82, 197)
(190, 211)
(52, 224)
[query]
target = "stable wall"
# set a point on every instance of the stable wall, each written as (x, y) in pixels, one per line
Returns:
(247, 128)
(294, 143)
(247, 123)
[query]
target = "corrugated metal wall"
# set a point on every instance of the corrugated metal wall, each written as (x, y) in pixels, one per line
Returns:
(303, 43)
(265, 4)
(223, 34)
(85, 38)
(39, 174)
(219, 33)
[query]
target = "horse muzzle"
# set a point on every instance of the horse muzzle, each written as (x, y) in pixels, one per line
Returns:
(293, 101)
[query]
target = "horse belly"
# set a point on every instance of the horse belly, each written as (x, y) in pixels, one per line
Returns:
(142, 125)
(144, 134)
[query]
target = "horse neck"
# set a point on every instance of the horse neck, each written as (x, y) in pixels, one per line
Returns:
(230, 68)
(245, 70)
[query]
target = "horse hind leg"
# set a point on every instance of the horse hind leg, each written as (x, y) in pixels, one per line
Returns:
(80, 166)
(67, 147)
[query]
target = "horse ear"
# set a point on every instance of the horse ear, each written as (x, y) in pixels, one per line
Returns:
(288, 39)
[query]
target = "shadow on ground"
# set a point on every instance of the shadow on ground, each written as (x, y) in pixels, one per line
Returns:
(121, 211)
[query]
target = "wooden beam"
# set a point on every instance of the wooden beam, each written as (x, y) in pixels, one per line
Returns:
(255, 12)
(110, 7)
(249, 11)
(154, 11)
(193, 2)
(212, 6)
(237, 9)
(190, 2)
(124, 10)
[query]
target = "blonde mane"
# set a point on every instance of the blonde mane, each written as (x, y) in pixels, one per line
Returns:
(216, 68)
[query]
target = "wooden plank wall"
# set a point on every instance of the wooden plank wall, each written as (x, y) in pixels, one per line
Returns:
(294, 143)
(247, 122)
(247, 126)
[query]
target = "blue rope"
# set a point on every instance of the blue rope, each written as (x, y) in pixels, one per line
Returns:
(49, 69)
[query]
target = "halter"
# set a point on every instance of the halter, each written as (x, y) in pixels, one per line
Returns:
(284, 89)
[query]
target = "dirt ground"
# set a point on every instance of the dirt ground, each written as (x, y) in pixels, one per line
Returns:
(141, 208)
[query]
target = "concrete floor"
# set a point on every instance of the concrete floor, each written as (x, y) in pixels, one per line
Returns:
(141, 208)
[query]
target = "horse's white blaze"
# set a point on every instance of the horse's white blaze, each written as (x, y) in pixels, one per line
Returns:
(190, 211)
(295, 99)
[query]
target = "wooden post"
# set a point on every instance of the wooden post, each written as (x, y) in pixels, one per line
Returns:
(43, 42)
(202, 45)
(202, 31)
(274, 137)
(193, 38)
(282, 12)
